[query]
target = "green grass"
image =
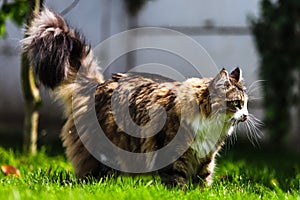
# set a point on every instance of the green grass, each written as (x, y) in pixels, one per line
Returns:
(243, 173)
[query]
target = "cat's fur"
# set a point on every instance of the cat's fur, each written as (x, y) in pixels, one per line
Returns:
(201, 107)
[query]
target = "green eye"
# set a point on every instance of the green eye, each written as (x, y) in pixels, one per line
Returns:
(236, 103)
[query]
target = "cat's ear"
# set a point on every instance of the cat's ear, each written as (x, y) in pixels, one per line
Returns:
(222, 79)
(236, 74)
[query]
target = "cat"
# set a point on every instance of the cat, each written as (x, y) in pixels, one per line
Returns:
(204, 110)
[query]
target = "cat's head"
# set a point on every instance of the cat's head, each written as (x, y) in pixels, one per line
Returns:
(227, 95)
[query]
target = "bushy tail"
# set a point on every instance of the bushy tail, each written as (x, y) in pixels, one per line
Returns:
(57, 52)
(59, 57)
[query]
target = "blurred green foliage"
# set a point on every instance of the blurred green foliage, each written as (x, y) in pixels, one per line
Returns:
(16, 11)
(277, 35)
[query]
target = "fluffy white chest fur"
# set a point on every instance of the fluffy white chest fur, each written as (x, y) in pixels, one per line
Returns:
(209, 132)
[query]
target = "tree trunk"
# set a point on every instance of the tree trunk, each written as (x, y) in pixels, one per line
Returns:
(30, 92)
(294, 139)
(131, 60)
(133, 8)
(297, 130)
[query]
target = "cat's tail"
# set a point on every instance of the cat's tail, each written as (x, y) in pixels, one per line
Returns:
(57, 53)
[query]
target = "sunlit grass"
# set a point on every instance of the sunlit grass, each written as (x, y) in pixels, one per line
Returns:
(241, 174)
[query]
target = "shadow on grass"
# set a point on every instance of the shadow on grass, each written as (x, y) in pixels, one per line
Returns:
(269, 165)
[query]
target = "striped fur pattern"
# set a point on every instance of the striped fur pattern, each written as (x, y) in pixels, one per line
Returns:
(57, 52)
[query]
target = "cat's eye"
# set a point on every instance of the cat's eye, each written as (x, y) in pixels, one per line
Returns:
(236, 103)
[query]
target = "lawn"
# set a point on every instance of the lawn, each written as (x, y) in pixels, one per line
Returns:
(244, 172)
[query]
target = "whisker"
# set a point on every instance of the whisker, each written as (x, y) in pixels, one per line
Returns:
(257, 123)
(253, 126)
(249, 133)
(253, 88)
(252, 98)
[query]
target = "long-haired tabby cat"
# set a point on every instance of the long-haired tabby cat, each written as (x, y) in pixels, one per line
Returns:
(200, 107)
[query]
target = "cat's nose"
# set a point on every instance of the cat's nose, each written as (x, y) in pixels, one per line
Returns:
(244, 117)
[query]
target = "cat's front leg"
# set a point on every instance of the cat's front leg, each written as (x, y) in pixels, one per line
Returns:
(185, 170)
(206, 170)
(175, 174)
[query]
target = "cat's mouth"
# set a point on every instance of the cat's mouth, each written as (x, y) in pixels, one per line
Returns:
(235, 122)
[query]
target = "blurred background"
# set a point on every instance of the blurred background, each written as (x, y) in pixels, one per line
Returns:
(262, 37)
